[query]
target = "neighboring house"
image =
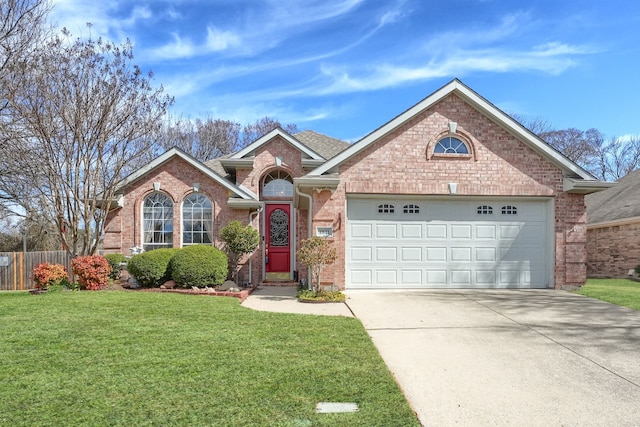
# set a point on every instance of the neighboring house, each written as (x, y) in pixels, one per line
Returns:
(613, 229)
(452, 193)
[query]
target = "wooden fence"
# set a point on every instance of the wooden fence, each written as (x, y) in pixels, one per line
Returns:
(16, 267)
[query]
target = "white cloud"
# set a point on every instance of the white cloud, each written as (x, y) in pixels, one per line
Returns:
(218, 40)
(552, 59)
(179, 48)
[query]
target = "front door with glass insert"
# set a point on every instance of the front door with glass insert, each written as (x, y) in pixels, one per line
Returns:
(278, 239)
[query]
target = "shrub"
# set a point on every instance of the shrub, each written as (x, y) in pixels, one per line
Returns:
(91, 271)
(239, 241)
(114, 262)
(46, 275)
(315, 253)
(151, 268)
(199, 265)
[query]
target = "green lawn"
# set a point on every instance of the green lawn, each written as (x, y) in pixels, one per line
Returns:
(138, 358)
(622, 292)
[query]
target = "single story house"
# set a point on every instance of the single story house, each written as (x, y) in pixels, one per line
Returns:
(613, 229)
(451, 193)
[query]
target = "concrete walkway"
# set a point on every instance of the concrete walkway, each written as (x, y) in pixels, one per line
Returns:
(497, 357)
(282, 299)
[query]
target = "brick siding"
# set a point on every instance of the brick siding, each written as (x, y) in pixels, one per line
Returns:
(501, 165)
(401, 162)
(613, 251)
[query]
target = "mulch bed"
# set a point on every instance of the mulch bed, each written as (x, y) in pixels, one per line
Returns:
(242, 295)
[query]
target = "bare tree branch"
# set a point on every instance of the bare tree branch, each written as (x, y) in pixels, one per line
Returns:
(85, 111)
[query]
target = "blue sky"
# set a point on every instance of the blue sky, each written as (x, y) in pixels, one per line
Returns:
(346, 67)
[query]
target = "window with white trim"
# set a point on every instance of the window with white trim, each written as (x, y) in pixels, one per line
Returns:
(411, 209)
(157, 214)
(197, 220)
(509, 210)
(386, 208)
(451, 145)
(278, 184)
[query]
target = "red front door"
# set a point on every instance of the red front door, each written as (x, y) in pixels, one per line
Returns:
(278, 241)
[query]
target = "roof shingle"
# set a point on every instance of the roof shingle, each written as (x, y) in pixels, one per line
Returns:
(616, 203)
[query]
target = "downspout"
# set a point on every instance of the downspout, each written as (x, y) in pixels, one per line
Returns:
(309, 232)
(251, 257)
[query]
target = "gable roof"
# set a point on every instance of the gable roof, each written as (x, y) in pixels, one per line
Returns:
(324, 145)
(176, 152)
(479, 103)
(249, 149)
(618, 203)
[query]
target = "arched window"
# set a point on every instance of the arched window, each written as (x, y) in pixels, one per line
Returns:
(157, 213)
(197, 220)
(386, 208)
(451, 145)
(411, 209)
(278, 184)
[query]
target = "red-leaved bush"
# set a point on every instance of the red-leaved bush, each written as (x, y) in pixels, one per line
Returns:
(92, 272)
(45, 275)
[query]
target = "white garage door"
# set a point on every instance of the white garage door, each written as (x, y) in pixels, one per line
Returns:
(497, 243)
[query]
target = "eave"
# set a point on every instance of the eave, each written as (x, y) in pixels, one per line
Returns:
(578, 186)
(237, 203)
(307, 185)
(614, 223)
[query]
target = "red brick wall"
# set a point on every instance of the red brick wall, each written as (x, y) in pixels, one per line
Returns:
(613, 251)
(124, 226)
(123, 229)
(501, 165)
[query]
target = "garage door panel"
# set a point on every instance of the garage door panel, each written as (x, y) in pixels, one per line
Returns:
(411, 254)
(411, 277)
(386, 254)
(361, 253)
(486, 231)
(461, 231)
(436, 254)
(411, 231)
(486, 254)
(437, 277)
(460, 254)
(386, 231)
(361, 277)
(509, 231)
(386, 277)
(461, 277)
(485, 277)
(447, 244)
(436, 231)
(509, 277)
(360, 230)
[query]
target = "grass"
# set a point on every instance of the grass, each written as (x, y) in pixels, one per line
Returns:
(622, 292)
(127, 358)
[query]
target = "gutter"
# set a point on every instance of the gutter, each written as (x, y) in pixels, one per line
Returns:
(309, 219)
(260, 209)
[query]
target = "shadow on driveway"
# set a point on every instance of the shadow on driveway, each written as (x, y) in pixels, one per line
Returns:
(508, 357)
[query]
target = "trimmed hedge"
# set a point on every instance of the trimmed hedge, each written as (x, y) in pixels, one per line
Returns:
(114, 261)
(199, 265)
(152, 268)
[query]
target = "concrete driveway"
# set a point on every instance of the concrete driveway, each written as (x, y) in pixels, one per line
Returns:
(508, 357)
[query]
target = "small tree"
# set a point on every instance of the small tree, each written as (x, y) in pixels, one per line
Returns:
(239, 241)
(315, 253)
